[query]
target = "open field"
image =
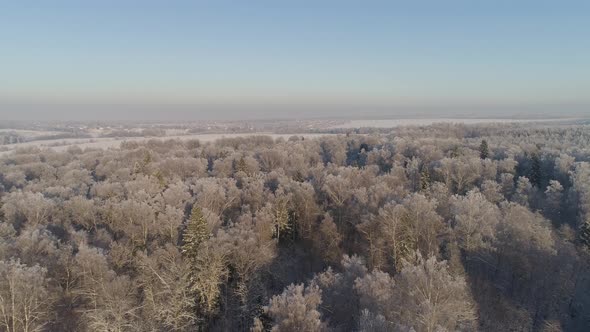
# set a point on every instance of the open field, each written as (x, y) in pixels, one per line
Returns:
(97, 138)
(108, 142)
(390, 123)
(31, 133)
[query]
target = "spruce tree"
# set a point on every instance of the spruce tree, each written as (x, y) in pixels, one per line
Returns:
(585, 233)
(535, 175)
(240, 166)
(484, 151)
(196, 232)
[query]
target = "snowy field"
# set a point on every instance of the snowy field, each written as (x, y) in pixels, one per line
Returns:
(108, 142)
(31, 133)
(424, 122)
(115, 142)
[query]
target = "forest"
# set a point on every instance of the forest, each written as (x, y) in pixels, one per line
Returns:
(447, 227)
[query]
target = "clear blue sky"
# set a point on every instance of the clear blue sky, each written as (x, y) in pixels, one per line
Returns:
(399, 53)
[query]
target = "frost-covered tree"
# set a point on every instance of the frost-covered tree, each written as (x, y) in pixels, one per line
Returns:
(428, 298)
(196, 232)
(26, 298)
(475, 220)
(296, 309)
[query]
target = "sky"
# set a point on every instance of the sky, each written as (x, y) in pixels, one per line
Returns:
(261, 59)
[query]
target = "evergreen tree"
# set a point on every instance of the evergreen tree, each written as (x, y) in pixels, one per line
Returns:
(484, 151)
(196, 232)
(535, 175)
(207, 267)
(455, 153)
(240, 166)
(585, 233)
(160, 177)
(147, 158)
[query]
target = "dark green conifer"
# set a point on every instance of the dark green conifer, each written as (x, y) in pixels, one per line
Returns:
(535, 175)
(484, 151)
(585, 233)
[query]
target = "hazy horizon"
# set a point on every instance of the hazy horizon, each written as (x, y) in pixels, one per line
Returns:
(272, 111)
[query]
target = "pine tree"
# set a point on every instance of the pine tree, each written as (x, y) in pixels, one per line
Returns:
(196, 232)
(484, 151)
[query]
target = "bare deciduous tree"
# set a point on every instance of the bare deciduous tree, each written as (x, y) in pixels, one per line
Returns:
(25, 297)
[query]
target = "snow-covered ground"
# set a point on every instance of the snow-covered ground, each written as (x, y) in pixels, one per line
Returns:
(114, 142)
(108, 142)
(424, 122)
(31, 133)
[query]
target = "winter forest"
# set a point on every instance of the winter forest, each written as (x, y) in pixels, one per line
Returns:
(448, 227)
